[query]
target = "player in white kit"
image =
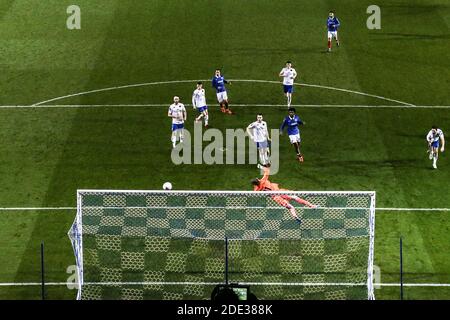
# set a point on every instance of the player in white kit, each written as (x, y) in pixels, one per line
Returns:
(260, 135)
(288, 74)
(199, 103)
(178, 114)
(433, 137)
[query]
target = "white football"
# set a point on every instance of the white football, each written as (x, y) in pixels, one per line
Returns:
(167, 186)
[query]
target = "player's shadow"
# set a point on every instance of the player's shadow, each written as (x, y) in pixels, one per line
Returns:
(408, 36)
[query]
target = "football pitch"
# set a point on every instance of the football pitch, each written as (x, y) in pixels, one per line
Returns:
(87, 109)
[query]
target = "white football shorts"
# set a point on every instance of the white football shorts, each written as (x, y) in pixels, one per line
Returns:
(295, 138)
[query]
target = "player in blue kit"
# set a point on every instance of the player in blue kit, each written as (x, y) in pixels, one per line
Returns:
(292, 122)
(218, 82)
(333, 24)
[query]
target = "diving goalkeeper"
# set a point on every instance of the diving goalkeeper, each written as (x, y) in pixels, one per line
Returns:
(264, 184)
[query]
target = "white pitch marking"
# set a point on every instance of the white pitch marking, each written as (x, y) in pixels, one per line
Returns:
(74, 208)
(231, 80)
(115, 88)
(345, 284)
(341, 106)
(303, 192)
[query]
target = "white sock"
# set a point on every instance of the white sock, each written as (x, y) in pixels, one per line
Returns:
(206, 120)
(289, 100)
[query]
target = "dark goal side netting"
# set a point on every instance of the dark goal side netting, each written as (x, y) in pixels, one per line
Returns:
(171, 244)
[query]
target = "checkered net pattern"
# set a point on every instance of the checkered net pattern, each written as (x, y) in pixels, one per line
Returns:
(171, 245)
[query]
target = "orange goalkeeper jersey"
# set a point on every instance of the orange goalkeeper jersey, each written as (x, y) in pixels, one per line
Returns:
(265, 184)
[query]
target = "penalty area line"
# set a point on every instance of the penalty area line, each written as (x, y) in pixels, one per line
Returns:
(340, 106)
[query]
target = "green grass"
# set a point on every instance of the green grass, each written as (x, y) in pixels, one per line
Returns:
(47, 154)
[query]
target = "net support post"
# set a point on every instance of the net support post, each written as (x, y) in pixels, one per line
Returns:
(226, 260)
(401, 268)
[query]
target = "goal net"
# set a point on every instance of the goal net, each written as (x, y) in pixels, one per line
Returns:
(171, 244)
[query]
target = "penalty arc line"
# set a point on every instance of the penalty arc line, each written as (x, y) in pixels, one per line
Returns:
(333, 88)
(231, 80)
